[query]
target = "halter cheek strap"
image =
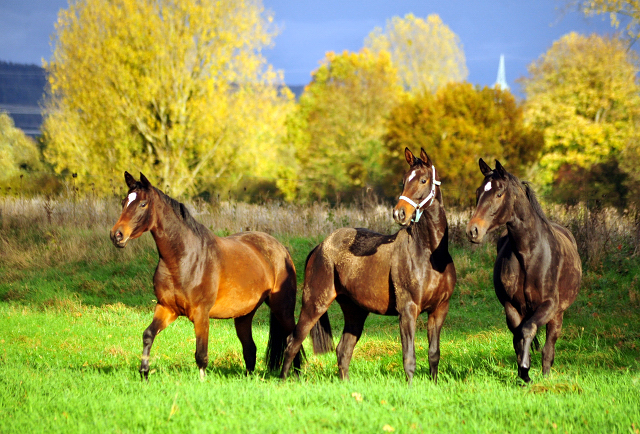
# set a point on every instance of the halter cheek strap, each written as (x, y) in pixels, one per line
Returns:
(429, 198)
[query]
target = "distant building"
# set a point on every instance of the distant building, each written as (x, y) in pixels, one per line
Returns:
(501, 80)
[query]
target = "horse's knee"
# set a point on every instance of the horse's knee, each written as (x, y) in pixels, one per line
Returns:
(529, 331)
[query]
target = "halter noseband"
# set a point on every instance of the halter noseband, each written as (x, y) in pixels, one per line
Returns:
(430, 197)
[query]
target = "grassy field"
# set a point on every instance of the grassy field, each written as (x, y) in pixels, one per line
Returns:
(73, 309)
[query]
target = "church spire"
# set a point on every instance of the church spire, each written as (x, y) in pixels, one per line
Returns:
(501, 80)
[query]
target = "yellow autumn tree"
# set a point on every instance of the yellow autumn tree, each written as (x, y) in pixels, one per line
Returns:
(338, 126)
(426, 52)
(174, 88)
(584, 94)
(621, 12)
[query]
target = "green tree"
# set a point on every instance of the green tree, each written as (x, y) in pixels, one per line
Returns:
(19, 155)
(337, 130)
(174, 88)
(426, 53)
(583, 93)
(456, 126)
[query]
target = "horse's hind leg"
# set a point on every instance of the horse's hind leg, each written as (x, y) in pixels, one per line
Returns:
(162, 317)
(317, 295)
(434, 325)
(309, 315)
(554, 327)
(244, 333)
(543, 314)
(354, 318)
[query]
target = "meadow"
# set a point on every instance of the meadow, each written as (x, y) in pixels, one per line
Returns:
(73, 309)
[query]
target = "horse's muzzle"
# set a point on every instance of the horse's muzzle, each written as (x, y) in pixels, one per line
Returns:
(475, 232)
(401, 216)
(118, 239)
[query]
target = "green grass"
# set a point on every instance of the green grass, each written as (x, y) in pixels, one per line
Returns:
(71, 335)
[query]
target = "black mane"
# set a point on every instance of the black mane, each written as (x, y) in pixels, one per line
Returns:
(183, 214)
(530, 195)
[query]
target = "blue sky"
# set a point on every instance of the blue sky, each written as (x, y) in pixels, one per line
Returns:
(522, 30)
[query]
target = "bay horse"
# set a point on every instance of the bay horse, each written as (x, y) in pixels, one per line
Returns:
(402, 274)
(537, 272)
(201, 276)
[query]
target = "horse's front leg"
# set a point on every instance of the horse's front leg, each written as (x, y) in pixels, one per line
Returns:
(201, 324)
(514, 322)
(162, 317)
(434, 325)
(408, 315)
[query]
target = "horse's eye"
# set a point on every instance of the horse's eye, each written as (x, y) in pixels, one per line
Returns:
(500, 194)
(424, 181)
(143, 204)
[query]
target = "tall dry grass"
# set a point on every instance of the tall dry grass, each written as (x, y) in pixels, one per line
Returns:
(47, 230)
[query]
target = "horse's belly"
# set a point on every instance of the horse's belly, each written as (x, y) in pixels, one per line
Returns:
(236, 302)
(370, 291)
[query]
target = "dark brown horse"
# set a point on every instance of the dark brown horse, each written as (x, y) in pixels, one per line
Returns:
(537, 272)
(402, 274)
(202, 276)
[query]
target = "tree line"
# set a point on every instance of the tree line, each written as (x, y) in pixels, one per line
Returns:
(180, 90)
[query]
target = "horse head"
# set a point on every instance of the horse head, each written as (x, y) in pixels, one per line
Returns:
(494, 202)
(136, 216)
(419, 188)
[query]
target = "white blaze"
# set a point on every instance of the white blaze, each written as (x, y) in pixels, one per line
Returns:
(411, 176)
(131, 197)
(487, 186)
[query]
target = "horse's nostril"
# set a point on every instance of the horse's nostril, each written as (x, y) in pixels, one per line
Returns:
(119, 236)
(473, 232)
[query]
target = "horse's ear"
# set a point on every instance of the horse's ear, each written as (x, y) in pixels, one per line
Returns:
(131, 182)
(144, 181)
(500, 169)
(484, 168)
(409, 157)
(424, 157)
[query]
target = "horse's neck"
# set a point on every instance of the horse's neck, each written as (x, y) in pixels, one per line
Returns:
(432, 227)
(526, 228)
(171, 234)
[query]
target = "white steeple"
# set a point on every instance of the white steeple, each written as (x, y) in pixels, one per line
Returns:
(501, 80)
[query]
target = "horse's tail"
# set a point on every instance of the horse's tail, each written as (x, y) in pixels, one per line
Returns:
(277, 345)
(278, 332)
(321, 335)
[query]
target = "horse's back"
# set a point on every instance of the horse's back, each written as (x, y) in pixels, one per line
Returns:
(354, 262)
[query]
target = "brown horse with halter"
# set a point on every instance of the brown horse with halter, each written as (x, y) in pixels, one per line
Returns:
(402, 274)
(537, 271)
(201, 276)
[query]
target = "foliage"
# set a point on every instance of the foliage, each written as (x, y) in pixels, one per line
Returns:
(426, 52)
(584, 94)
(174, 88)
(618, 11)
(457, 126)
(19, 155)
(337, 129)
